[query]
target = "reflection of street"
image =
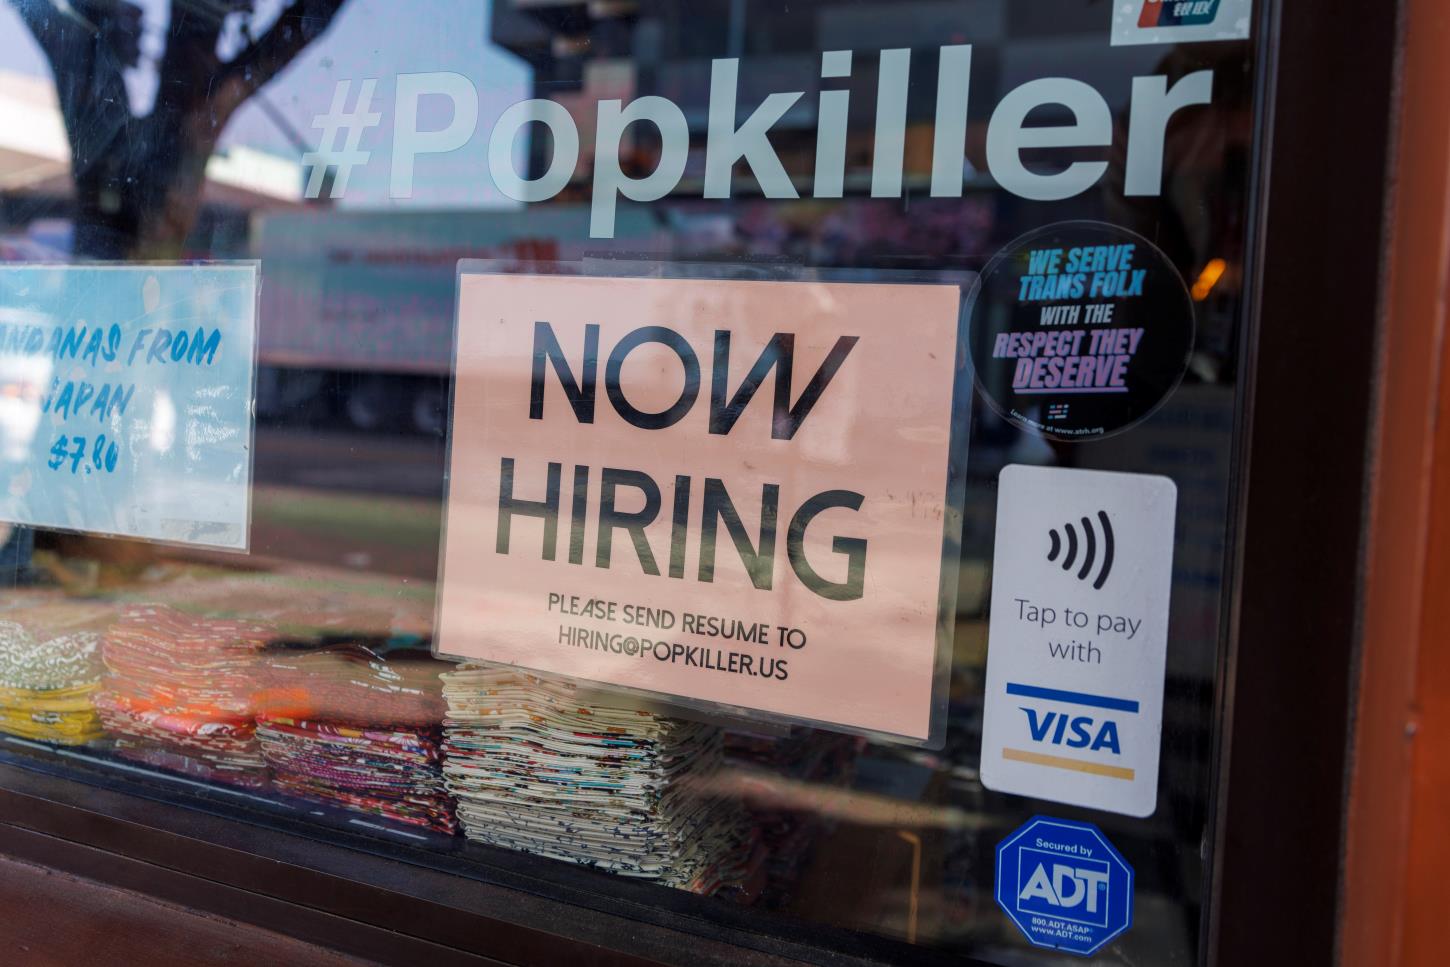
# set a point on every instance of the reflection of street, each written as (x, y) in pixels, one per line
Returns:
(403, 464)
(367, 502)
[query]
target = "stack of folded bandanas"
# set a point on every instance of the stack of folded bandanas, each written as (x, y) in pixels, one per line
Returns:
(179, 693)
(46, 686)
(357, 726)
(538, 766)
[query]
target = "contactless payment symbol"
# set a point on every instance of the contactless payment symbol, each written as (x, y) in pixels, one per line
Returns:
(1064, 885)
(1090, 548)
(1077, 639)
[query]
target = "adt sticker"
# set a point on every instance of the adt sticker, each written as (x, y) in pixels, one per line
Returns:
(1078, 636)
(1064, 885)
(1179, 21)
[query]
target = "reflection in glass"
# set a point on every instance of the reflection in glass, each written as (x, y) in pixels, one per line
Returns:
(294, 684)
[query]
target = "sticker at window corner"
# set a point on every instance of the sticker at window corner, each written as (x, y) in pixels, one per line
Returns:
(1079, 329)
(126, 400)
(1077, 639)
(1064, 885)
(1179, 21)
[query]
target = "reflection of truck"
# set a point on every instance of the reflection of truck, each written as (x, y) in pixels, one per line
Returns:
(357, 307)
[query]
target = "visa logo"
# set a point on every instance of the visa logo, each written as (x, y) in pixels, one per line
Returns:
(1177, 13)
(1073, 731)
(1067, 887)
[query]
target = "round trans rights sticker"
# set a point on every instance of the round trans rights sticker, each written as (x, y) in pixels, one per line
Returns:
(1079, 329)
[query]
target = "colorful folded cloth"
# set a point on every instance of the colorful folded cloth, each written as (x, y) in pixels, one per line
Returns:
(46, 686)
(356, 725)
(391, 774)
(179, 693)
(353, 683)
(538, 767)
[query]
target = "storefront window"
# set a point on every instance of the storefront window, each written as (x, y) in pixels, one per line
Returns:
(535, 435)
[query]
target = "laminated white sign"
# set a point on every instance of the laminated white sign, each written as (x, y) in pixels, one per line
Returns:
(1078, 637)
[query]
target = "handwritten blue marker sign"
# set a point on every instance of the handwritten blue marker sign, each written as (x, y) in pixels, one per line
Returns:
(126, 399)
(1064, 885)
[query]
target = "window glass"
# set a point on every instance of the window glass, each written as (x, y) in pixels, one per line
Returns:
(357, 156)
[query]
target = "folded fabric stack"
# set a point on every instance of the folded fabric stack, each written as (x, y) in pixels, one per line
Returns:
(46, 686)
(361, 684)
(356, 726)
(538, 767)
(179, 693)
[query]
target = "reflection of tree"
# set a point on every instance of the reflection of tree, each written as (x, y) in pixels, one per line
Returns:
(138, 180)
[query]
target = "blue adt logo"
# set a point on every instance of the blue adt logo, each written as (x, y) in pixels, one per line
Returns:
(1064, 885)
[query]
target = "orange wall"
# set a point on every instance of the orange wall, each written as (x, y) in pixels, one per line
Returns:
(1395, 900)
(1427, 891)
